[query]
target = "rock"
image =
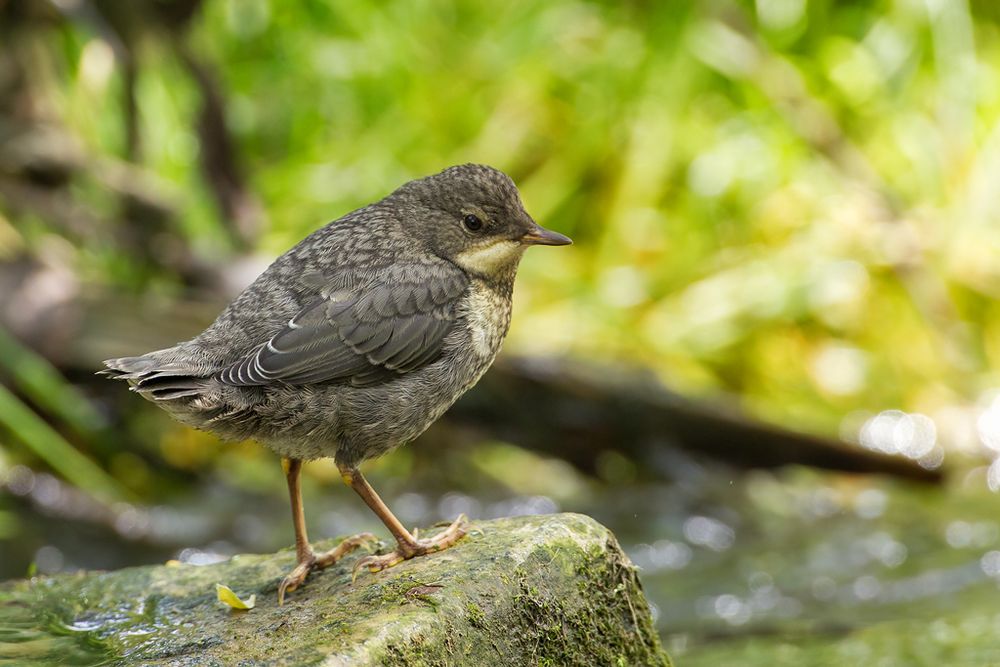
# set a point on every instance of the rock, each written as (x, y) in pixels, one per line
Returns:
(544, 590)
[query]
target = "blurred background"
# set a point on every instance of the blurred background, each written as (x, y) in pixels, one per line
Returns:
(770, 362)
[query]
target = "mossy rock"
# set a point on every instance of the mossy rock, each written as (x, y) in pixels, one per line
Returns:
(543, 590)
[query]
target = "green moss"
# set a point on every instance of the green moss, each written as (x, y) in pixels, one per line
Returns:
(568, 603)
(475, 615)
(551, 590)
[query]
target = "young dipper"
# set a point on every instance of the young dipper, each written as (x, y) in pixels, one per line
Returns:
(354, 341)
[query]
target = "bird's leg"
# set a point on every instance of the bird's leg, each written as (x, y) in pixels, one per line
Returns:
(407, 546)
(308, 559)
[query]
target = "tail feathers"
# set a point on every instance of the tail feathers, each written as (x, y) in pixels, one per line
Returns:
(156, 381)
(128, 368)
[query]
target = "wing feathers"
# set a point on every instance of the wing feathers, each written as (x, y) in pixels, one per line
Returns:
(367, 337)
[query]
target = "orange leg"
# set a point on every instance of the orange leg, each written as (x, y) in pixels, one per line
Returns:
(309, 560)
(407, 546)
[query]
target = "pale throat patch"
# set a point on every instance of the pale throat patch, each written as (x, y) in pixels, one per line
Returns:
(489, 257)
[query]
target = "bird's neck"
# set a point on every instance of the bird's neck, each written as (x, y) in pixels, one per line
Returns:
(502, 282)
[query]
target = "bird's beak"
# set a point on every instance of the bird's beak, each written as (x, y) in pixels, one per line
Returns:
(538, 235)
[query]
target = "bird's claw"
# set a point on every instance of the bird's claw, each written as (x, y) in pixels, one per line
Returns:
(295, 578)
(406, 551)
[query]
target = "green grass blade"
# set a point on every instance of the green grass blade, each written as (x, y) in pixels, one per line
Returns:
(52, 448)
(39, 381)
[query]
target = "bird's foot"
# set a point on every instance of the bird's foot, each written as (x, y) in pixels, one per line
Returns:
(316, 561)
(408, 550)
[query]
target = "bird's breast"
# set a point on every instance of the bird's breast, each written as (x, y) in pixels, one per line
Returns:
(487, 317)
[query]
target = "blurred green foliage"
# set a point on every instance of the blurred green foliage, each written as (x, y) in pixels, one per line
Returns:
(786, 200)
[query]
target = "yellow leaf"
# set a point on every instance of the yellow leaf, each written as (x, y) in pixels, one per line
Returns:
(230, 598)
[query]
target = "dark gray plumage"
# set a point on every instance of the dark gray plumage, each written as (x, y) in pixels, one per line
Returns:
(358, 338)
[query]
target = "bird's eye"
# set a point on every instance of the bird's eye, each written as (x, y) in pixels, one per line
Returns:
(472, 222)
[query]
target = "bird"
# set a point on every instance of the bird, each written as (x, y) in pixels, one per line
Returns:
(355, 341)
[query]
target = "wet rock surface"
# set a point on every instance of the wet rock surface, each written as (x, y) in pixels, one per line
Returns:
(540, 590)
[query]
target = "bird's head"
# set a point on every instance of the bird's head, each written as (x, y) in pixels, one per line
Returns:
(472, 215)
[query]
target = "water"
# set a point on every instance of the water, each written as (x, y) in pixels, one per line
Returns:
(29, 638)
(761, 562)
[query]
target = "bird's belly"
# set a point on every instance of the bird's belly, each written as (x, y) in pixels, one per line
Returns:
(399, 412)
(349, 423)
